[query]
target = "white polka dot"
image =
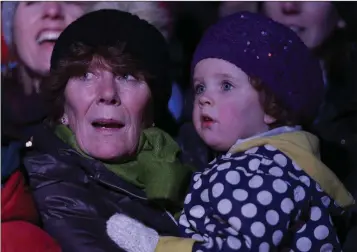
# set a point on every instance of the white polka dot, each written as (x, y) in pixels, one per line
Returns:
(232, 231)
(224, 166)
(315, 213)
(188, 198)
(299, 193)
(209, 244)
(249, 210)
(197, 237)
(302, 229)
(199, 250)
(296, 167)
(280, 186)
(248, 241)
(305, 180)
(213, 177)
(277, 235)
(292, 175)
(197, 211)
(265, 161)
(287, 205)
(217, 190)
(196, 177)
(204, 195)
(183, 221)
(280, 159)
(264, 198)
(326, 247)
(326, 201)
(269, 147)
(219, 242)
(272, 217)
(257, 229)
(255, 182)
(254, 164)
(188, 231)
(318, 188)
(235, 223)
(193, 223)
(303, 244)
(240, 157)
(207, 220)
(233, 177)
(210, 227)
(224, 206)
(240, 194)
(321, 232)
(264, 247)
(197, 184)
(234, 243)
(276, 171)
(251, 150)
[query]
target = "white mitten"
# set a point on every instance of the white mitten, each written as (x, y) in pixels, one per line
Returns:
(131, 235)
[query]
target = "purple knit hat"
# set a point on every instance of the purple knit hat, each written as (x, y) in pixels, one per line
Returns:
(272, 52)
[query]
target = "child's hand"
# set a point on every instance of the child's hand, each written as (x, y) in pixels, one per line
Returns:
(131, 235)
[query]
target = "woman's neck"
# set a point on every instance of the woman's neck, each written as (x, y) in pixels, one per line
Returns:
(29, 81)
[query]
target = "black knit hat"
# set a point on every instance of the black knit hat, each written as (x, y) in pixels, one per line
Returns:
(142, 41)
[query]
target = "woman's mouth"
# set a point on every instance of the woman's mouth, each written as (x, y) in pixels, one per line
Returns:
(107, 124)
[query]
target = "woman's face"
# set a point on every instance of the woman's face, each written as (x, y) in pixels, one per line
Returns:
(314, 22)
(106, 112)
(37, 26)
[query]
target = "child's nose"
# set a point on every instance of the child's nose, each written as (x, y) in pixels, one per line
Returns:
(205, 100)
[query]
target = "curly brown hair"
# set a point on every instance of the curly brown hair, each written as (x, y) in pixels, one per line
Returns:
(81, 59)
(273, 107)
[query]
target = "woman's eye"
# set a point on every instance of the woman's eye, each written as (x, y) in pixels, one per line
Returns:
(86, 76)
(199, 89)
(227, 86)
(128, 77)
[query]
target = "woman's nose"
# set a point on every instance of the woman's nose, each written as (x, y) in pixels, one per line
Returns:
(290, 7)
(108, 94)
(52, 10)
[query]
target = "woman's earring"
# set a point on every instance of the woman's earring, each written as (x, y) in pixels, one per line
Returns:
(64, 120)
(153, 124)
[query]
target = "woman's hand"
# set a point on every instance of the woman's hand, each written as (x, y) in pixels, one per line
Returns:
(131, 235)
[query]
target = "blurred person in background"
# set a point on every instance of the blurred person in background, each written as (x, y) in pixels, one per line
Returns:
(157, 14)
(324, 29)
(29, 30)
(330, 30)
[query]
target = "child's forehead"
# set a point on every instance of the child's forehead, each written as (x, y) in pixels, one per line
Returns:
(217, 68)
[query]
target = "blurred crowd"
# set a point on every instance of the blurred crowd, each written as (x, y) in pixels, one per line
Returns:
(31, 29)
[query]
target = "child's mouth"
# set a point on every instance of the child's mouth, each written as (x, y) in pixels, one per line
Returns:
(206, 121)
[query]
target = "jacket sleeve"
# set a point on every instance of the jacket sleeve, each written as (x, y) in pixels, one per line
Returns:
(70, 212)
(253, 209)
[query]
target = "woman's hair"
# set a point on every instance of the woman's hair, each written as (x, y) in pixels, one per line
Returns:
(273, 107)
(81, 59)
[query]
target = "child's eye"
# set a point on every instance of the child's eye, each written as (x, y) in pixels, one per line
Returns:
(199, 89)
(86, 76)
(226, 86)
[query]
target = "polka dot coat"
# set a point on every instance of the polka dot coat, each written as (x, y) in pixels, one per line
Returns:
(258, 200)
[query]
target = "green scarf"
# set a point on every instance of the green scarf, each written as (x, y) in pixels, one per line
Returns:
(155, 168)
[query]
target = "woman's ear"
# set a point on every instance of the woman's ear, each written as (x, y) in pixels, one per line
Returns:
(269, 119)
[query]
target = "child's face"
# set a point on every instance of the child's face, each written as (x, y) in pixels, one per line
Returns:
(226, 106)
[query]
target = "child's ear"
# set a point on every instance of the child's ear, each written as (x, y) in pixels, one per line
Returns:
(269, 119)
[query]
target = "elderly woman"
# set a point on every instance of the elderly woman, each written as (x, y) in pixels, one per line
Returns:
(109, 83)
